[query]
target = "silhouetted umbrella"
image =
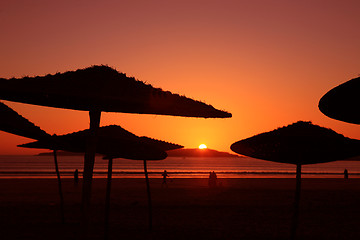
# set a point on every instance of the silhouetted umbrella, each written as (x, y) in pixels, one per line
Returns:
(14, 123)
(299, 143)
(342, 102)
(101, 88)
(165, 146)
(113, 142)
(96, 89)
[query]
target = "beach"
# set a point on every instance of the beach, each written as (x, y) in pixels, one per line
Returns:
(254, 208)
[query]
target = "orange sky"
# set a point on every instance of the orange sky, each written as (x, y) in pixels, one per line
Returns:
(266, 62)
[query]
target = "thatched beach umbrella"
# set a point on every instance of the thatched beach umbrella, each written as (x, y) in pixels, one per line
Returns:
(157, 144)
(14, 123)
(113, 142)
(96, 89)
(342, 102)
(299, 143)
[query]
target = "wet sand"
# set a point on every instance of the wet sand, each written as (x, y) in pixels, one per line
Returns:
(185, 209)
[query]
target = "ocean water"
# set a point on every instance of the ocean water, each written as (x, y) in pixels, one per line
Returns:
(243, 167)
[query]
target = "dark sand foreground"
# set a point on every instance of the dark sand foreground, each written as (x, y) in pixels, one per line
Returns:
(187, 209)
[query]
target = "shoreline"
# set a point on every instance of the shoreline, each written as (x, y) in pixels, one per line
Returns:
(220, 176)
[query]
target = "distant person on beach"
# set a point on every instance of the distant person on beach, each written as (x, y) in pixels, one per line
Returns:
(346, 174)
(165, 175)
(76, 176)
(215, 178)
(212, 179)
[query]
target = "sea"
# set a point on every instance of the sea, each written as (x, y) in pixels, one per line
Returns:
(21, 166)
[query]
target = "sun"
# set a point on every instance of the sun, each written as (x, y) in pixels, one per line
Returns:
(202, 146)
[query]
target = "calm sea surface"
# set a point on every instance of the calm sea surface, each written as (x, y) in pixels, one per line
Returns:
(43, 167)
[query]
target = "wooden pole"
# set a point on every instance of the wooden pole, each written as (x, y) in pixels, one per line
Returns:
(89, 160)
(149, 195)
(107, 199)
(295, 220)
(60, 188)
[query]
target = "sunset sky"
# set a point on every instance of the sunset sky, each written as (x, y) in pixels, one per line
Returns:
(266, 62)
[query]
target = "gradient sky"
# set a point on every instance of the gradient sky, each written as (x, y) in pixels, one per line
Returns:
(266, 62)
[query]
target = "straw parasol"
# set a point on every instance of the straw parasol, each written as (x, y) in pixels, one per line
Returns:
(342, 102)
(299, 143)
(96, 89)
(14, 123)
(157, 144)
(113, 142)
(101, 88)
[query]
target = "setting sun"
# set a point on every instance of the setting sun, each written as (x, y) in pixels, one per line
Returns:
(202, 146)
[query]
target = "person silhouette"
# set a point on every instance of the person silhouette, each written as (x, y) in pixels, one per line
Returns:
(76, 176)
(346, 174)
(165, 175)
(214, 178)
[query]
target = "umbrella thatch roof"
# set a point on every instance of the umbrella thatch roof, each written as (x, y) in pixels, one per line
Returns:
(12, 122)
(112, 141)
(343, 102)
(105, 89)
(299, 143)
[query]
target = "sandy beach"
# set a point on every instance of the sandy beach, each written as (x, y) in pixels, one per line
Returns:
(185, 209)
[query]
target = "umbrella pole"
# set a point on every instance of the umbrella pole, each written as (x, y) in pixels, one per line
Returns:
(107, 199)
(297, 202)
(60, 188)
(149, 195)
(89, 160)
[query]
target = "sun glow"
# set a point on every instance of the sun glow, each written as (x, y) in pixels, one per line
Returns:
(202, 146)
